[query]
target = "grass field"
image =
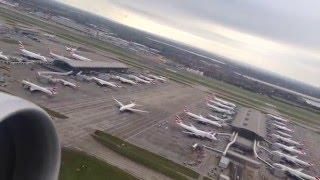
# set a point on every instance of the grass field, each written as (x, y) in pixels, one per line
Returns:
(80, 166)
(228, 91)
(144, 157)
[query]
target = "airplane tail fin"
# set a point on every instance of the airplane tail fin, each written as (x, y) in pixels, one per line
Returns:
(186, 109)
(54, 90)
(21, 45)
(178, 119)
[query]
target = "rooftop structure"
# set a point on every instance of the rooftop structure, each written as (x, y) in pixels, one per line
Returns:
(86, 66)
(250, 124)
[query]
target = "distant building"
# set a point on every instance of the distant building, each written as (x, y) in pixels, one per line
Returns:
(195, 71)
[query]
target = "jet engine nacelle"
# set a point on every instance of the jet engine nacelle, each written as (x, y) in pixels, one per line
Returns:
(29, 145)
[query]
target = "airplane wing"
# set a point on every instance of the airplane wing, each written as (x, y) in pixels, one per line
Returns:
(137, 110)
(119, 103)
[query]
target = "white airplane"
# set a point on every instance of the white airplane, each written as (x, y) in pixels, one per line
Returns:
(128, 107)
(217, 118)
(54, 73)
(67, 83)
(279, 123)
(221, 105)
(30, 54)
(294, 172)
(4, 57)
(138, 79)
(287, 140)
(76, 56)
(145, 77)
(84, 77)
(160, 78)
(104, 83)
(283, 128)
(277, 118)
(290, 149)
(70, 48)
(224, 102)
(202, 119)
(33, 87)
(124, 80)
(191, 130)
(292, 159)
(59, 57)
(220, 110)
(284, 134)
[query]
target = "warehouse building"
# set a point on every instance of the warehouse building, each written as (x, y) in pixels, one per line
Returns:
(88, 66)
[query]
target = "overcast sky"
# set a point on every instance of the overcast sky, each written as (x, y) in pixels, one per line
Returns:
(279, 36)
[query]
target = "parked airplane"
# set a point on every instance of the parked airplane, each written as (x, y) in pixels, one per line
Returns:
(217, 103)
(4, 57)
(191, 130)
(145, 77)
(138, 79)
(287, 140)
(30, 54)
(290, 149)
(104, 83)
(279, 123)
(292, 159)
(33, 87)
(84, 77)
(67, 83)
(70, 48)
(283, 128)
(284, 134)
(294, 172)
(59, 57)
(54, 73)
(223, 120)
(76, 56)
(224, 102)
(124, 80)
(128, 107)
(160, 78)
(220, 110)
(202, 119)
(277, 118)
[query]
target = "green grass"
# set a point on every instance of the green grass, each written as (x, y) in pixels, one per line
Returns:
(80, 166)
(228, 91)
(144, 157)
(9, 41)
(54, 113)
(206, 178)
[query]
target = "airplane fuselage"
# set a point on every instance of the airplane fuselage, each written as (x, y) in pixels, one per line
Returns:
(4, 57)
(292, 159)
(103, 82)
(290, 149)
(203, 119)
(225, 102)
(139, 79)
(220, 110)
(196, 132)
(294, 172)
(222, 105)
(33, 87)
(79, 57)
(32, 55)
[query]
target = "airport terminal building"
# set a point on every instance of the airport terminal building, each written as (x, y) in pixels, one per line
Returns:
(88, 66)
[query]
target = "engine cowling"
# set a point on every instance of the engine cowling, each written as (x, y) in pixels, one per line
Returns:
(29, 145)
